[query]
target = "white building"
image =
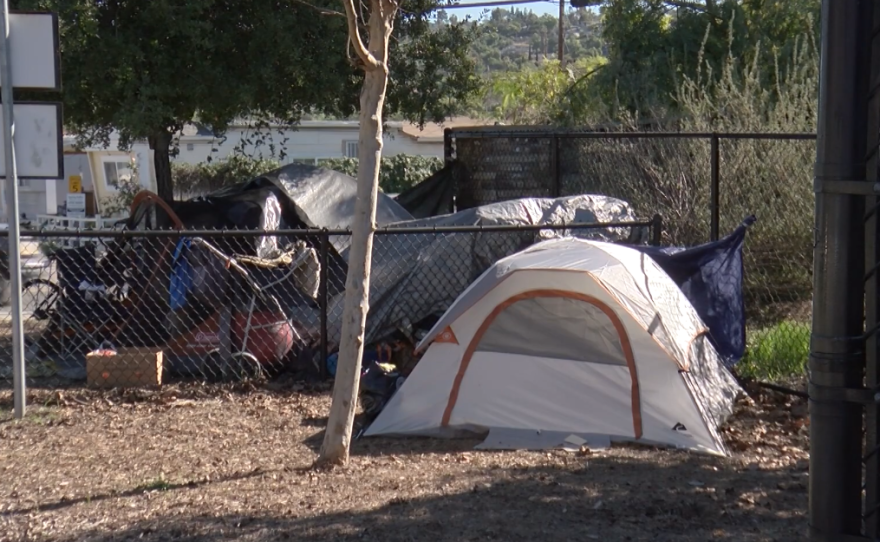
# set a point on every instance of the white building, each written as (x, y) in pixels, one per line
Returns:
(99, 168)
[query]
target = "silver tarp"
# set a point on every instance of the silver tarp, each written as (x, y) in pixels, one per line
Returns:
(416, 275)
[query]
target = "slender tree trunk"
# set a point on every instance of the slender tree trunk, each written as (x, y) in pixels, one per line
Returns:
(160, 144)
(337, 438)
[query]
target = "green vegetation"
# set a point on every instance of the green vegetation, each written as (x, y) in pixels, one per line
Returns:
(397, 173)
(777, 352)
(158, 484)
(193, 180)
(146, 68)
(508, 39)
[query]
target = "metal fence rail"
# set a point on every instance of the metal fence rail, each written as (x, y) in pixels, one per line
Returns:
(234, 303)
(703, 184)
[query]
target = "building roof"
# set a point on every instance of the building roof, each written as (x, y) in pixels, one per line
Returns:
(434, 132)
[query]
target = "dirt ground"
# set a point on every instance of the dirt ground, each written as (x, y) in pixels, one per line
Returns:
(195, 463)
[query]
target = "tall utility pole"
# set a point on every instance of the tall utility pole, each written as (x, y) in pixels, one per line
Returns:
(561, 31)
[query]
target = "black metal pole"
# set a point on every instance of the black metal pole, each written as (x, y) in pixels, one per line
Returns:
(323, 294)
(836, 348)
(657, 230)
(557, 174)
(714, 189)
(872, 286)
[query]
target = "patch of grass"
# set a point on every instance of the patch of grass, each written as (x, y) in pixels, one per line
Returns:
(158, 484)
(39, 415)
(776, 352)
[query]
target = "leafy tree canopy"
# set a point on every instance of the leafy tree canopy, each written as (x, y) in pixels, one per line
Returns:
(652, 43)
(145, 68)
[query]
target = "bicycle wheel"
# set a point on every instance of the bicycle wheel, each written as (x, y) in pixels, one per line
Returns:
(38, 299)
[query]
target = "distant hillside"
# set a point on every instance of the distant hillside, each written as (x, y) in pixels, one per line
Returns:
(509, 38)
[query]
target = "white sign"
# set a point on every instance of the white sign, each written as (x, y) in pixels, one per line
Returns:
(76, 205)
(38, 141)
(33, 47)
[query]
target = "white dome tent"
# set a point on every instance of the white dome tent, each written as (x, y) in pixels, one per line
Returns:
(569, 337)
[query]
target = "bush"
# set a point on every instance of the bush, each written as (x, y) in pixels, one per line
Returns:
(119, 204)
(191, 181)
(771, 179)
(777, 352)
(397, 173)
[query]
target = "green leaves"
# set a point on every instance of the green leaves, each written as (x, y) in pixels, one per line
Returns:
(652, 44)
(146, 67)
(397, 173)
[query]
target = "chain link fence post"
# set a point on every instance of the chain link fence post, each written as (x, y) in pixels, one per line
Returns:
(324, 299)
(657, 230)
(714, 188)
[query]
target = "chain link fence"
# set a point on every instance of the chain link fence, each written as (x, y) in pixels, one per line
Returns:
(703, 184)
(138, 308)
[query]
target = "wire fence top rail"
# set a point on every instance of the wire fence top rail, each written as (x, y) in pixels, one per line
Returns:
(306, 232)
(526, 131)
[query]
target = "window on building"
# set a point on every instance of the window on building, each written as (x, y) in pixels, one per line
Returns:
(117, 172)
(350, 149)
(190, 146)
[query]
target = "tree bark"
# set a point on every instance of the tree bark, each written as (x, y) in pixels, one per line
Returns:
(160, 144)
(337, 437)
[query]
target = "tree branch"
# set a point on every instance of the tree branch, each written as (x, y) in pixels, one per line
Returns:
(322, 11)
(354, 37)
(708, 9)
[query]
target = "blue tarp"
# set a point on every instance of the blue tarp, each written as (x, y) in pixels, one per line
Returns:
(711, 277)
(181, 275)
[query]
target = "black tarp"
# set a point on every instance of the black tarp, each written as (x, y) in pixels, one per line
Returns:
(308, 196)
(291, 197)
(711, 277)
(435, 195)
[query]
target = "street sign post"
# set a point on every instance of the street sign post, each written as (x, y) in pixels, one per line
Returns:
(29, 58)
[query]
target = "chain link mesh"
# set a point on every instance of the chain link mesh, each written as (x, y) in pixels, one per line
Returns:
(140, 309)
(671, 175)
(772, 179)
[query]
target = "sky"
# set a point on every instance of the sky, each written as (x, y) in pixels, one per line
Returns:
(542, 7)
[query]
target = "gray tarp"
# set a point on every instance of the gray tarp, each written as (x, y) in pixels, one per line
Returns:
(319, 197)
(415, 275)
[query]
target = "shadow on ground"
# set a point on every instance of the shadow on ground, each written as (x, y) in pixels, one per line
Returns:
(605, 498)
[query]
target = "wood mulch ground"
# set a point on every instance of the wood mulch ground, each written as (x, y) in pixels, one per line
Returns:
(193, 463)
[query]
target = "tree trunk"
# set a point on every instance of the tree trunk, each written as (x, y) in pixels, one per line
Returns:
(160, 144)
(337, 437)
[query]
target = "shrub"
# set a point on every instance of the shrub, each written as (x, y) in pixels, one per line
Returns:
(201, 179)
(771, 179)
(397, 173)
(777, 352)
(119, 204)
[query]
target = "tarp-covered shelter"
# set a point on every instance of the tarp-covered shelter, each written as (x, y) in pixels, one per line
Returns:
(568, 337)
(416, 275)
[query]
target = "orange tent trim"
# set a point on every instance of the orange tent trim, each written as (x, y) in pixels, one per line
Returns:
(615, 320)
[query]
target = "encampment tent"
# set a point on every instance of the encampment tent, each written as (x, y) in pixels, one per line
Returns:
(568, 337)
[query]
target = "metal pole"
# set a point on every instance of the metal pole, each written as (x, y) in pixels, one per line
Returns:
(555, 173)
(657, 230)
(714, 189)
(836, 346)
(561, 50)
(18, 368)
(324, 296)
(872, 290)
